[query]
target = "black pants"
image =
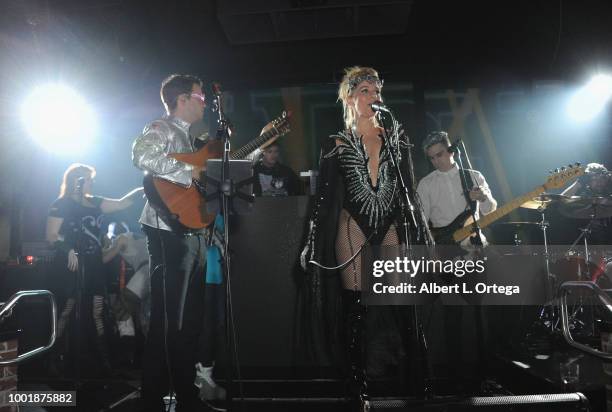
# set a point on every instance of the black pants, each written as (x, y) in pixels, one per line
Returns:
(212, 340)
(183, 284)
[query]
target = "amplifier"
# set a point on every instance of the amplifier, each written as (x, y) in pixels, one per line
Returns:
(36, 252)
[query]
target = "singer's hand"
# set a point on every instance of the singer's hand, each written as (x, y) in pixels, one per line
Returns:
(73, 261)
(477, 194)
(304, 256)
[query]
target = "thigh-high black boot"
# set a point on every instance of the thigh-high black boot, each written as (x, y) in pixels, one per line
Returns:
(355, 321)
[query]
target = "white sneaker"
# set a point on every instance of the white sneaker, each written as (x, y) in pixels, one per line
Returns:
(209, 390)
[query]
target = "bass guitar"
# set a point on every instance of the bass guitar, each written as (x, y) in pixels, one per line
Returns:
(464, 226)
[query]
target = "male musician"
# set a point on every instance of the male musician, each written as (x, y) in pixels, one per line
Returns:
(444, 196)
(273, 177)
(441, 192)
(176, 258)
(596, 181)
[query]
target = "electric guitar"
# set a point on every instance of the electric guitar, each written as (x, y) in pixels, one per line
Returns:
(463, 226)
(185, 207)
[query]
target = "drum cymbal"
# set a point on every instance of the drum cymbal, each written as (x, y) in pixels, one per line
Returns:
(543, 201)
(585, 207)
(535, 204)
(519, 224)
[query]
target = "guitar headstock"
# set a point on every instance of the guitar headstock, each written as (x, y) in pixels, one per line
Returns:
(560, 177)
(281, 124)
(274, 129)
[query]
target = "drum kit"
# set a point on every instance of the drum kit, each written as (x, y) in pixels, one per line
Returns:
(580, 261)
(577, 261)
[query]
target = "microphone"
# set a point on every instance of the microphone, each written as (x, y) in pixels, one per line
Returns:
(453, 148)
(79, 185)
(216, 88)
(380, 107)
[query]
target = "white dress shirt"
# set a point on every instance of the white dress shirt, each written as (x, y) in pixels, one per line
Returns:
(442, 197)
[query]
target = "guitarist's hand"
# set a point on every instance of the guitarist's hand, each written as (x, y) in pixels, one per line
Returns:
(477, 194)
(266, 128)
(196, 173)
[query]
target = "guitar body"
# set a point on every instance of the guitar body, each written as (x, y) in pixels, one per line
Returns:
(212, 150)
(184, 208)
(555, 181)
(444, 235)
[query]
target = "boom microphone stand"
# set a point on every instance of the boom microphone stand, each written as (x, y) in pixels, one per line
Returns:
(80, 282)
(419, 229)
(476, 240)
(225, 188)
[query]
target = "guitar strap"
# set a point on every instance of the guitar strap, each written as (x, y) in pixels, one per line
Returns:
(471, 203)
(466, 190)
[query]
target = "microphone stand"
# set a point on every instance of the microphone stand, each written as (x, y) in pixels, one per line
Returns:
(407, 204)
(476, 240)
(400, 178)
(84, 385)
(225, 187)
(80, 282)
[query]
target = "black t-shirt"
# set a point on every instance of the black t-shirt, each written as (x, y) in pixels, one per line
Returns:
(75, 214)
(278, 180)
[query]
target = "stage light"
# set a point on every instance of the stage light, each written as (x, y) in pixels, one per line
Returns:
(59, 119)
(591, 99)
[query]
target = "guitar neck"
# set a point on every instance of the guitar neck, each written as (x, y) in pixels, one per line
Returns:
(253, 145)
(486, 220)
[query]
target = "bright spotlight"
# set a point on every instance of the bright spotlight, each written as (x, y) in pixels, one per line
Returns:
(59, 119)
(591, 99)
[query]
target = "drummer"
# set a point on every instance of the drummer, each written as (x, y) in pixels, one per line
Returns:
(597, 181)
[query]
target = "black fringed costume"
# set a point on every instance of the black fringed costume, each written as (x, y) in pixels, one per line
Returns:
(374, 214)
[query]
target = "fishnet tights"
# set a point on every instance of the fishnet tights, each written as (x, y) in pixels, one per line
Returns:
(98, 306)
(64, 318)
(349, 239)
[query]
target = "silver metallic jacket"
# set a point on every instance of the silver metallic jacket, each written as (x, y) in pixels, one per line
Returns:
(150, 153)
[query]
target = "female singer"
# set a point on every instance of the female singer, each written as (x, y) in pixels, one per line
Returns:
(359, 203)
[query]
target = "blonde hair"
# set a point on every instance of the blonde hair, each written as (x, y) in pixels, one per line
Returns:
(72, 175)
(352, 77)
